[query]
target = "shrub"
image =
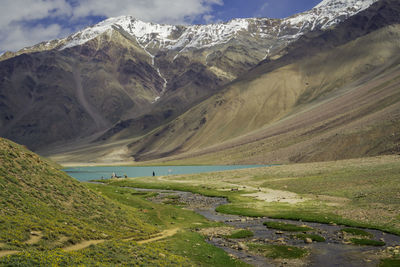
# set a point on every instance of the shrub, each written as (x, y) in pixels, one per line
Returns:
(241, 234)
(366, 242)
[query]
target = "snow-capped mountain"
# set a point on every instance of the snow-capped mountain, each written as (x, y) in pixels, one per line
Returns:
(328, 13)
(182, 37)
(171, 37)
(125, 73)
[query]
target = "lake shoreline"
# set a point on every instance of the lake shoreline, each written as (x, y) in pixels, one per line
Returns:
(90, 173)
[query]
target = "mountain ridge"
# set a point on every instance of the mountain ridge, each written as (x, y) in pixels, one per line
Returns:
(127, 92)
(224, 116)
(324, 15)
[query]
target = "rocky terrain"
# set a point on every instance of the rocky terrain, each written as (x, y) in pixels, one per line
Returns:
(123, 78)
(319, 241)
(323, 100)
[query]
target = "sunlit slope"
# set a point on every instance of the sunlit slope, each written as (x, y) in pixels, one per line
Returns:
(363, 74)
(35, 197)
(341, 129)
(323, 78)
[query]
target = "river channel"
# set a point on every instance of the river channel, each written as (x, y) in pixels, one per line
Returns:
(335, 251)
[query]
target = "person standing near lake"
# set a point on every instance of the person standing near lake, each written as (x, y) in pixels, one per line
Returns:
(154, 174)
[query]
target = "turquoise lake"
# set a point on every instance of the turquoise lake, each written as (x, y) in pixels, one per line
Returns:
(96, 173)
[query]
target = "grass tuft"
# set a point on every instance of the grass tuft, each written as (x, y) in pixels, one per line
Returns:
(358, 232)
(241, 234)
(389, 263)
(287, 227)
(367, 242)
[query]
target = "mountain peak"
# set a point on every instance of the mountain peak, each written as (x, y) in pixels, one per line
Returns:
(174, 37)
(357, 4)
(181, 38)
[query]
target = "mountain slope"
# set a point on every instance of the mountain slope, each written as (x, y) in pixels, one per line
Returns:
(335, 87)
(123, 78)
(154, 37)
(37, 197)
(49, 219)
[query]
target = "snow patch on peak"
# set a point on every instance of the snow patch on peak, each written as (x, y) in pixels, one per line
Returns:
(345, 3)
(154, 36)
(87, 34)
(143, 30)
(162, 35)
(329, 12)
(201, 36)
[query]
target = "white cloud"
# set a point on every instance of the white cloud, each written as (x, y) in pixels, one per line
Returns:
(19, 36)
(261, 11)
(162, 11)
(16, 15)
(14, 11)
(208, 18)
(27, 22)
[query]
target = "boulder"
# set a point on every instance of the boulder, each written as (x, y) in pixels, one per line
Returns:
(308, 240)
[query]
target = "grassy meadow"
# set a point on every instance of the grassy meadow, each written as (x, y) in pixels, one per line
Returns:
(357, 192)
(46, 216)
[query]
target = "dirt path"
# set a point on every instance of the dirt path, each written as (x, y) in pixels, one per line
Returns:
(4, 253)
(264, 194)
(85, 244)
(276, 196)
(35, 237)
(163, 234)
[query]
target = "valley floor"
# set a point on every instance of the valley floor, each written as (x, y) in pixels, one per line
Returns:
(357, 193)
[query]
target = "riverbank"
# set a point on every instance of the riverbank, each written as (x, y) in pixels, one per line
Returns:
(283, 242)
(357, 193)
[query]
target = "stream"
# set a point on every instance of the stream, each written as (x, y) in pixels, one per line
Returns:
(333, 252)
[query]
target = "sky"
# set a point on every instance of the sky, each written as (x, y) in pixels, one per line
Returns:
(27, 22)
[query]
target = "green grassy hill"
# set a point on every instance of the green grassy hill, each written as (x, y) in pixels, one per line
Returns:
(42, 210)
(36, 196)
(49, 219)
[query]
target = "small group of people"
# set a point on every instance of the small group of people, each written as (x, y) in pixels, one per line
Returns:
(114, 175)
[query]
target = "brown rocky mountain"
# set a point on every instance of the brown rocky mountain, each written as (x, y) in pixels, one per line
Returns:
(124, 89)
(331, 95)
(127, 74)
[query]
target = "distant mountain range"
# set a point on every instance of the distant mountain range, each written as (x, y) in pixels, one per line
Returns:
(155, 37)
(129, 90)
